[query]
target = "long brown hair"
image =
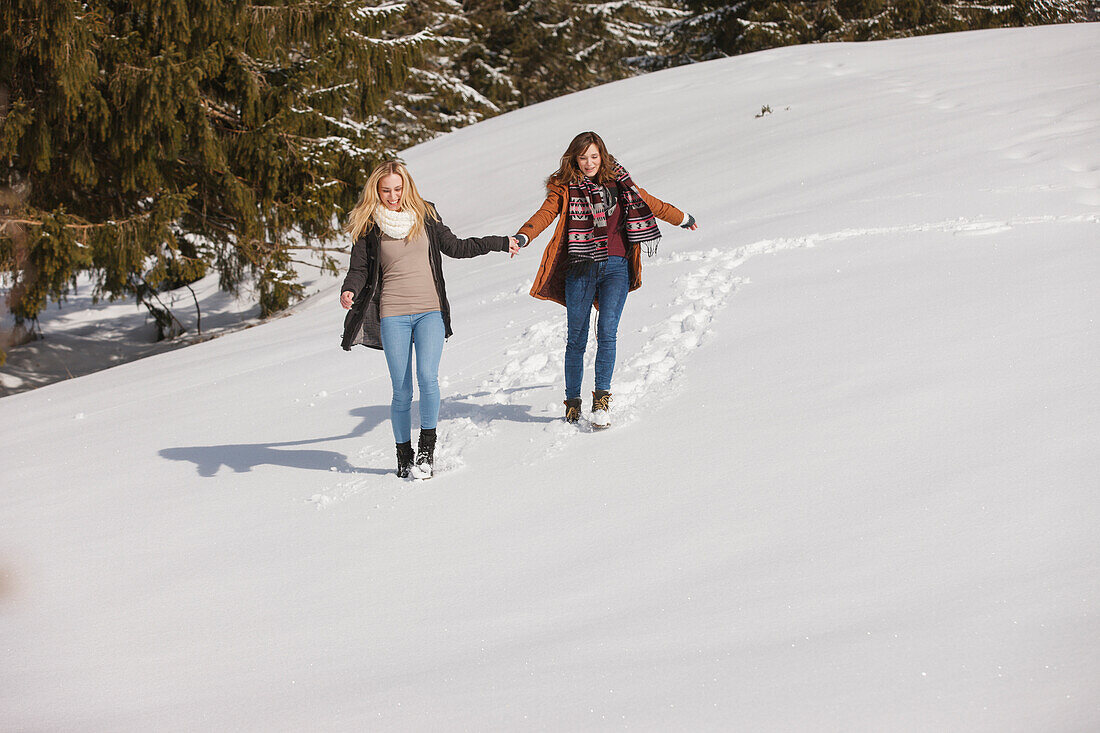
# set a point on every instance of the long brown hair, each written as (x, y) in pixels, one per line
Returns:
(361, 217)
(569, 172)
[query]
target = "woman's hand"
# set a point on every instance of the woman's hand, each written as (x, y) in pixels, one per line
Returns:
(347, 299)
(513, 246)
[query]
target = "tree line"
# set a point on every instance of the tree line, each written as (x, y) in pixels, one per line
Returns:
(153, 142)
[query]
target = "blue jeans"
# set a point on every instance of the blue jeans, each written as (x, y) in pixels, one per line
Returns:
(400, 335)
(609, 281)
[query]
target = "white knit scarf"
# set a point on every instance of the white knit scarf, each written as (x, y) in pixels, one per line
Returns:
(396, 224)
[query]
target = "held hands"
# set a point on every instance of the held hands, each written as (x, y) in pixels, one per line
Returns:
(517, 242)
(521, 240)
(347, 298)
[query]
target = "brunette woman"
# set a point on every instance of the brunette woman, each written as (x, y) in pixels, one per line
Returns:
(398, 299)
(594, 257)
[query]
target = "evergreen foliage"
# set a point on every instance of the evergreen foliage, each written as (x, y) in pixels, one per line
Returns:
(526, 42)
(528, 52)
(148, 141)
(440, 94)
(863, 20)
(617, 39)
(715, 29)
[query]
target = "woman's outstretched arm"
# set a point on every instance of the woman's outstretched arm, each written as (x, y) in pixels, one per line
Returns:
(541, 219)
(668, 212)
(452, 246)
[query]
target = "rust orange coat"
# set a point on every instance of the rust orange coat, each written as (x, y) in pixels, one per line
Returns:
(550, 280)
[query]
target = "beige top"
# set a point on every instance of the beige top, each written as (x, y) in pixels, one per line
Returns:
(407, 283)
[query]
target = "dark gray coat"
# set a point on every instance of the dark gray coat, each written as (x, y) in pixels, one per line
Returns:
(362, 325)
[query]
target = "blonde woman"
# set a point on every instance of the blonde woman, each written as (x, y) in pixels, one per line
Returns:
(397, 300)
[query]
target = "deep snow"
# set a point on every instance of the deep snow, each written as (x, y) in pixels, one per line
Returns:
(851, 482)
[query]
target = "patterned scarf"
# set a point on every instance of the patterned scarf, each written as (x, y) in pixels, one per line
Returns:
(586, 227)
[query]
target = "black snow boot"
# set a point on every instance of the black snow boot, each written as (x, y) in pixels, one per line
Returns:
(572, 409)
(404, 458)
(425, 454)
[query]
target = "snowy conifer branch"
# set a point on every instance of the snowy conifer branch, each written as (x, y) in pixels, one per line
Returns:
(377, 11)
(413, 41)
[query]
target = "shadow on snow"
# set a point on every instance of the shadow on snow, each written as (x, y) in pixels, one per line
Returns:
(243, 457)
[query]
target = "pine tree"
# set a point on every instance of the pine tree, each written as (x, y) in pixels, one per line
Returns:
(148, 141)
(711, 30)
(716, 29)
(528, 52)
(439, 94)
(525, 42)
(618, 39)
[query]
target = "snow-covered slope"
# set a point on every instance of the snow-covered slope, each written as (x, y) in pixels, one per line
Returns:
(851, 485)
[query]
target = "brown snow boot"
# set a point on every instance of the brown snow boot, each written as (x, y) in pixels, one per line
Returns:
(601, 409)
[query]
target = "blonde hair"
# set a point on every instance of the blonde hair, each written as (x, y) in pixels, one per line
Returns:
(362, 216)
